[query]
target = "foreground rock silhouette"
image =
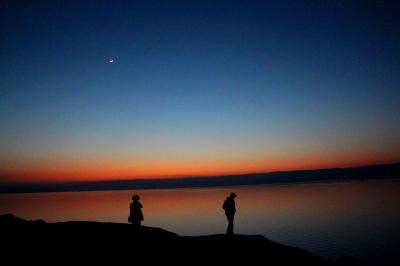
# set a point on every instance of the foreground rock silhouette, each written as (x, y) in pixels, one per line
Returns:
(121, 243)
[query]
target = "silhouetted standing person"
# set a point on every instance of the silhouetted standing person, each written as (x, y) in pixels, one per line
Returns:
(230, 209)
(136, 215)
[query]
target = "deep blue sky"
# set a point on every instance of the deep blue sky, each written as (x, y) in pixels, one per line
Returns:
(196, 87)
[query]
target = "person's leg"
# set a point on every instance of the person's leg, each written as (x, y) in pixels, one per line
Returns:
(232, 219)
(229, 230)
(136, 223)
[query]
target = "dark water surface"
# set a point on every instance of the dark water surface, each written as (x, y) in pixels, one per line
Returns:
(359, 219)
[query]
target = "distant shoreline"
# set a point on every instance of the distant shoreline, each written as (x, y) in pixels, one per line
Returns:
(227, 187)
(381, 171)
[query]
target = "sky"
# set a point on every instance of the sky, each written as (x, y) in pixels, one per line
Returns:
(99, 90)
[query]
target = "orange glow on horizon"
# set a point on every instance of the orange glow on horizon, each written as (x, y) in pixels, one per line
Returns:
(97, 171)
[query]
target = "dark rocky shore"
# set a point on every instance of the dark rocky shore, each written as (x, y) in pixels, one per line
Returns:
(95, 242)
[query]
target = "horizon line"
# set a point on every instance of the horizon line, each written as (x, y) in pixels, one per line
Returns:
(187, 177)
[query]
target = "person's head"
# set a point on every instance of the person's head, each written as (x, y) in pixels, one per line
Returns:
(135, 198)
(233, 195)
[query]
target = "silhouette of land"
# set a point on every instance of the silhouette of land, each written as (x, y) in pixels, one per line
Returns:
(301, 176)
(95, 241)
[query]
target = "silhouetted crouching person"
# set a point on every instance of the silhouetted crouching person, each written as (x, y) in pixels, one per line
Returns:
(230, 209)
(136, 215)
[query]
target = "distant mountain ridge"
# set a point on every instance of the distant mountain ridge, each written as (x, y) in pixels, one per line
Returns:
(380, 171)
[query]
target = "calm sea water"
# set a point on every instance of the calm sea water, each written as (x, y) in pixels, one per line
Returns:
(359, 219)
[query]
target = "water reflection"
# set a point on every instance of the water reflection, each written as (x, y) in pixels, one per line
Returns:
(337, 219)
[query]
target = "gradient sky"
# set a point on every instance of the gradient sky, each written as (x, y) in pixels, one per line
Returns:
(196, 87)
